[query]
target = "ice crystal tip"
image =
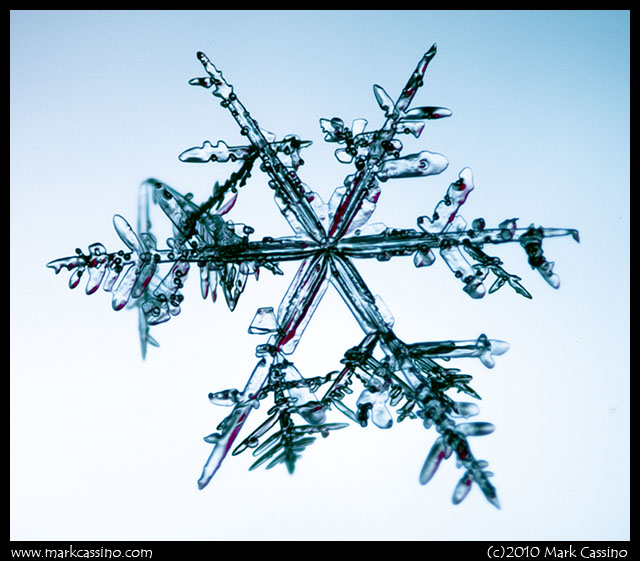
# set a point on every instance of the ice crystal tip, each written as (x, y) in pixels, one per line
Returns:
(419, 113)
(379, 378)
(494, 501)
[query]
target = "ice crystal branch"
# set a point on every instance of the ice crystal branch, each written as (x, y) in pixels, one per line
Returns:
(329, 238)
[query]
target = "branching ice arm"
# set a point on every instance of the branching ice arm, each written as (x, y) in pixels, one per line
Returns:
(284, 181)
(294, 313)
(415, 82)
(482, 348)
(233, 423)
(366, 177)
(404, 242)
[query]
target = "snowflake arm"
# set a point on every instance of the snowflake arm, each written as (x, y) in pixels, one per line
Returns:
(371, 163)
(285, 182)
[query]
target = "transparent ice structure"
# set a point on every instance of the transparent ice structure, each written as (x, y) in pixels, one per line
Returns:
(380, 377)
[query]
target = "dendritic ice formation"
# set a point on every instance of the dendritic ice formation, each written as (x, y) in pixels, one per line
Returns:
(385, 372)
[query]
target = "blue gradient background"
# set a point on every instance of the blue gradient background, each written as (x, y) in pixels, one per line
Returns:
(105, 446)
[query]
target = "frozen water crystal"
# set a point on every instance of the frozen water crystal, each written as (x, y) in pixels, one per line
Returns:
(327, 239)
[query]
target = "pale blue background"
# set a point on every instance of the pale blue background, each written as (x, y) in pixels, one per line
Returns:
(104, 446)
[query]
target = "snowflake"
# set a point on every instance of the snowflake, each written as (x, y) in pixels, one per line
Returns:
(391, 373)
